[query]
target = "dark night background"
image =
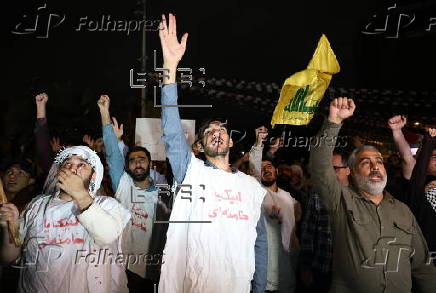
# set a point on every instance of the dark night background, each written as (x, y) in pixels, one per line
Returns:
(260, 41)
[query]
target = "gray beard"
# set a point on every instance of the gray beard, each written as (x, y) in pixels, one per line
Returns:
(372, 188)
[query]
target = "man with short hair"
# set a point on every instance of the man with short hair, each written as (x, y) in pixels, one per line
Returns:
(17, 179)
(212, 232)
(282, 212)
(70, 235)
(136, 191)
(378, 245)
(316, 237)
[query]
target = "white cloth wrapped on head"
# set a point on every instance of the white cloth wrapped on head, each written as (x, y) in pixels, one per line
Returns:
(85, 153)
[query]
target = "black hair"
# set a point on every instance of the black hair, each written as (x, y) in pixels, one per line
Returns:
(344, 157)
(205, 125)
(274, 162)
(24, 165)
(137, 149)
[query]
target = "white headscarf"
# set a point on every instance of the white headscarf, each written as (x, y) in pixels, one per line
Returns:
(85, 153)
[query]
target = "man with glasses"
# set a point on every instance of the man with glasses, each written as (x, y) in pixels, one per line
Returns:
(316, 238)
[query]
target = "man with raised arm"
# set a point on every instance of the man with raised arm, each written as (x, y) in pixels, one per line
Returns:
(377, 243)
(136, 191)
(212, 233)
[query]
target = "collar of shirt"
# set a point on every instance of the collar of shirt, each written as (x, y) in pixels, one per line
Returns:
(386, 196)
(151, 188)
(209, 164)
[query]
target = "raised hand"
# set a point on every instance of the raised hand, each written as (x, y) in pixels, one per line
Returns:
(432, 132)
(397, 122)
(261, 134)
(118, 130)
(55, 143)
(172, 50)
(103, 104)
(340, 109)
(276, 143)
(41, 101)
(89, 141)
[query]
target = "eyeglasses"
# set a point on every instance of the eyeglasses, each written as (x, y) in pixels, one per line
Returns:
(339, 167)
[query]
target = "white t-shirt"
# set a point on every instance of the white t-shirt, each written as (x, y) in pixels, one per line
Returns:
(137, 234)
(217, 256)
(60, 255)
(280, 227)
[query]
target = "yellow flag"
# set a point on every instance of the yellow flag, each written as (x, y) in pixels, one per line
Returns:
(302, 91)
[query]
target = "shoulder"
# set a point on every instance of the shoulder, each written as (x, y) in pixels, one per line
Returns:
(37, 201)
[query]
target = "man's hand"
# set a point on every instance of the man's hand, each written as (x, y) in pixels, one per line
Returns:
(118, 130)
(103, 104)
(341, 109)
(41, 101)
(172, 50)
(8, 213)
(73, 185)
(397, 122)
(55, 143)
(89, 141)
(276, 143)
(261, 134)
(432, 132)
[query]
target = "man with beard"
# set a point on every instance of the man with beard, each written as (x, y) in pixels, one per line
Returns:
(316, 236)
(64, 229)
(136, 191)
(211, 237)
(377, 243)
(283, 212)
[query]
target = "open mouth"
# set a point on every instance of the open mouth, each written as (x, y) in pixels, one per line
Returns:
(375, 177)
(217, 142)
(139, 171)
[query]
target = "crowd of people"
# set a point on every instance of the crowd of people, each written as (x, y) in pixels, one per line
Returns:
(101, 216)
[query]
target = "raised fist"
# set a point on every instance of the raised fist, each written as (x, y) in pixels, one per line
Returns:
(340, 109)
(41, 99)
(397, 122)
(104, 102)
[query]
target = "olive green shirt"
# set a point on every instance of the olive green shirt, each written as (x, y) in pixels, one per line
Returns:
(376, 248)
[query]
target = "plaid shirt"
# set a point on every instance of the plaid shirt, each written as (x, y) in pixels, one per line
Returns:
(316, 239)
